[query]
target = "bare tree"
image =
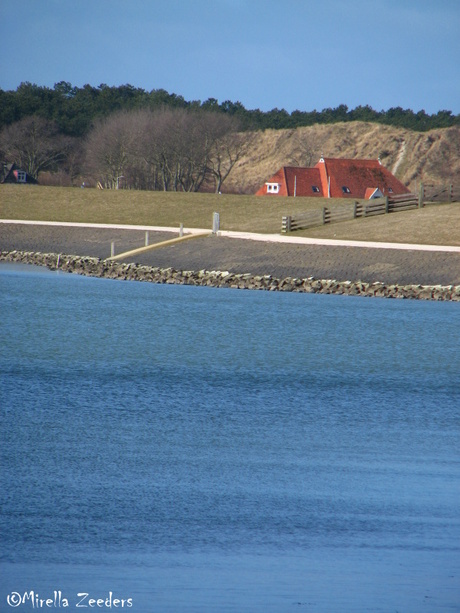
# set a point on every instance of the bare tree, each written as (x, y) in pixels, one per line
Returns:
(169, 149)
(35, 144)
(74, 160)
(227, 148)
(174, 143)
(153, 145)
(202, 145)
(192, 142)
(110, 148)
(305, 150)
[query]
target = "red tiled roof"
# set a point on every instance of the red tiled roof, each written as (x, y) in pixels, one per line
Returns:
(296, 181)
(351, 178)
(302, 181)
(336, 178)
(279, 178)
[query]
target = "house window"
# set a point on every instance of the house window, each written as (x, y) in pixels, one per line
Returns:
(346, 190)
(315, 189)
(273, 188)
(390, 190)
(22, 176)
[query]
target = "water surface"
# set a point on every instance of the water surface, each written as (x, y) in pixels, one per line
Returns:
(199, 449)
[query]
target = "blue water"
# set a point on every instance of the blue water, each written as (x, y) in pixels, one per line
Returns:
(198, 449)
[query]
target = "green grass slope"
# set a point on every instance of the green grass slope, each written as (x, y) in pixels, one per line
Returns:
(437, 224)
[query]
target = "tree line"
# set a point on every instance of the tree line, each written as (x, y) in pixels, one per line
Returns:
(127, 137)
(74, 109)
(170, 149)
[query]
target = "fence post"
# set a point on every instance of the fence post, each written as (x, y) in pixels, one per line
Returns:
(387, 204)
(451, 193)
(215, 223)
(324, 215)
(355, 209)
(420, 197)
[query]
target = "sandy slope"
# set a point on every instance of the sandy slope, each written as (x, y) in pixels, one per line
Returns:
(430, 157)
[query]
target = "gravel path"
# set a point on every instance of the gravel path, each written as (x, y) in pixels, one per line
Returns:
(392, 266)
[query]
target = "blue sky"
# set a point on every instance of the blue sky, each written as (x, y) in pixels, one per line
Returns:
(292, 54)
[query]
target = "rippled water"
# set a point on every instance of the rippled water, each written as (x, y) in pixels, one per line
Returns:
(198, 449)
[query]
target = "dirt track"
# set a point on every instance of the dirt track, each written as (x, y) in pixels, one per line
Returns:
(243, 256)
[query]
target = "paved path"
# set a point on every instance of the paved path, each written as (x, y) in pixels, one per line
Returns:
(269, 238)
(280, 256)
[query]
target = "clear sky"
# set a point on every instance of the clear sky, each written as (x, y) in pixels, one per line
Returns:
(292, 54)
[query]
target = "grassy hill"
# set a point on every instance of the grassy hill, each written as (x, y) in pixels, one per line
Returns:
(436, 224)
(430, 157)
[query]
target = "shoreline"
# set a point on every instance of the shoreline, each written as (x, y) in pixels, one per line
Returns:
(103, 268)
(259, 256)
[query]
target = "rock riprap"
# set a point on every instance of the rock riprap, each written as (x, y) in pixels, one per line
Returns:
(95, 267)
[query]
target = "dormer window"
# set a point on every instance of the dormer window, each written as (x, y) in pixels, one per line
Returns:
(315, 189)
(273, 188)
(22, 176)
(346, 190)
(390, 190)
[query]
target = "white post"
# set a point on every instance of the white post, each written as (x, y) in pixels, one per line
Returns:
(181, 230)
(146, 238)
(215, 223)
(112, 249)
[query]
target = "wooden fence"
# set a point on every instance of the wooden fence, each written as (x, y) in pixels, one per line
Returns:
(344, 212)
(440, 193)
(379, 206)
